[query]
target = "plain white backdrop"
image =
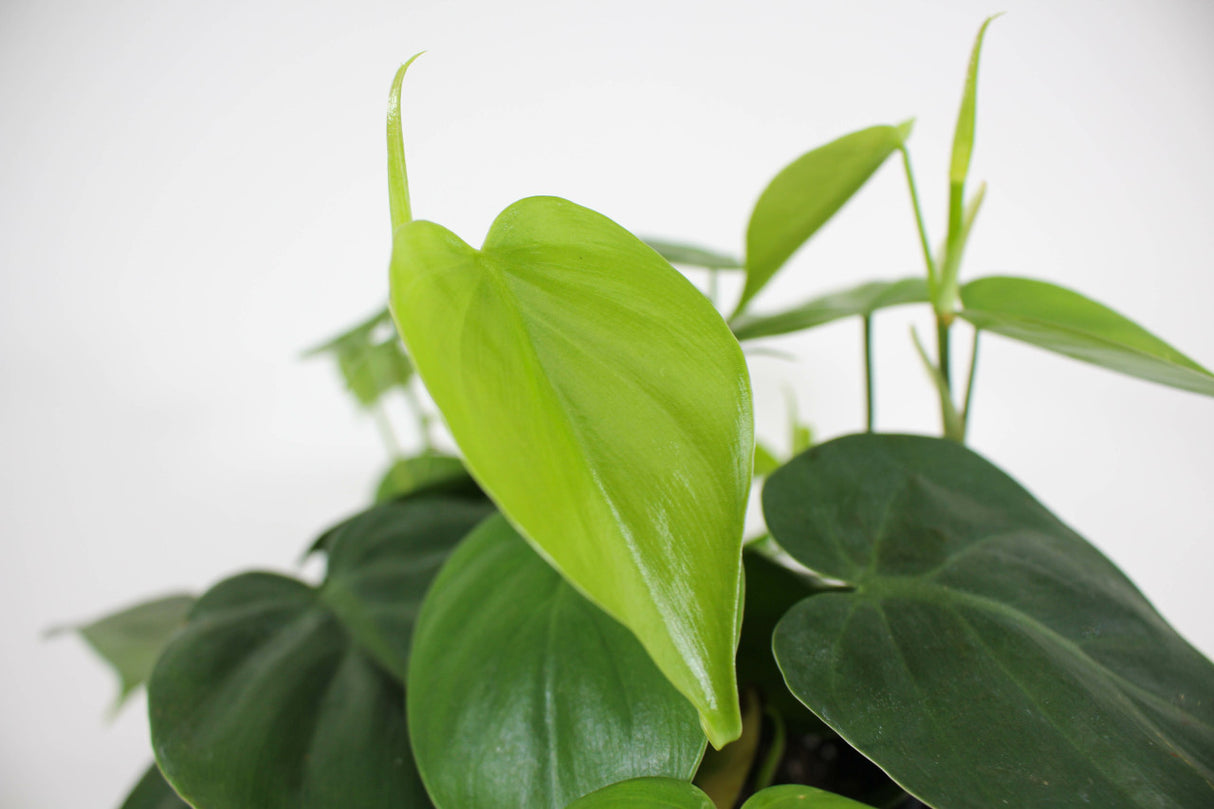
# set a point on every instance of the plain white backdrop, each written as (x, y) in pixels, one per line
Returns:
(192, 193)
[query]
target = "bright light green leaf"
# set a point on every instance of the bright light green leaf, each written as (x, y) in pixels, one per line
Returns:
(796, 796)
(130, 640)
(603, 404)
(646, 793)
(424, 473)
(693, 256)
(153, 792)
(276, 694)
(524, 694)
(963, 134)
(806, 194)
(765, 461)
(722, 773)
(1066, 322)
(859, 301)
(985, 654)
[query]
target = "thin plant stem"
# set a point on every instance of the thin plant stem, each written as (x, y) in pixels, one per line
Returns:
(771, 762)
(869, 414)
(423, 418)
(932, 274)
(969, 386)
(385, 429)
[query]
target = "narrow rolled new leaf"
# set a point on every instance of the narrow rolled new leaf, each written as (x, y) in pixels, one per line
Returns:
(1066, 322)
(646, 793)
(131, 639)
(277, 694)
(982, 653)
(153, 792)
(859, 301)
(523, 693)
(796, 796)
(806, 194)
(692, 256)
(604, 405)
(963, 133)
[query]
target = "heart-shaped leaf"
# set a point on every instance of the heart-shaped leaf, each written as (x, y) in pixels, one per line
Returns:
(153, 792)
(859, 301)
(796, 796)
(523, 693)
(646, 793)
(131, 639)
(984, 654)
(806, 194)
(276, 694)
(1068, 323)
(604, 405)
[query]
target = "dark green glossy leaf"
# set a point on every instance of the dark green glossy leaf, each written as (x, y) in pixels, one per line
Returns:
(1066, 322)
(382, 561)
(424, 474)
(276, 694)
(523, 693)
(153, 792)
(263, 701)
(806, 194)
(646, 793)
(986, 655)
(130, 640)
(859, 301)
(722, 773)
(603, 404)
(691, 256)
(796, 796)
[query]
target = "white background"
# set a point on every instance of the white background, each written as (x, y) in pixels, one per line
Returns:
(190, 194)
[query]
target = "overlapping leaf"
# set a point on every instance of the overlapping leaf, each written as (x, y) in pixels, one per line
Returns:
(605, 406)
(859, 301)
(424, 473)
(153, 792)
(131, 639)
(523, 693)
(806, 194)
(692, 256)
(985, 653)
(665, 793)
(276, 694)
(1066, 322)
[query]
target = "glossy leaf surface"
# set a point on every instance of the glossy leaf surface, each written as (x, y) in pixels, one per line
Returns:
(523, 693)
(603, 404)
(859, 301)
(1066, 322)
(153, 792)
(646, 793)
(277, 694)
(381, 563)
(987, 654)
(723, 773)
(690, 255)
(796, 796)
(264, 701)
(806, 194)
(130, 640)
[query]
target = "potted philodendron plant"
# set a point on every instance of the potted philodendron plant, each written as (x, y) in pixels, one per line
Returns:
(567, 613)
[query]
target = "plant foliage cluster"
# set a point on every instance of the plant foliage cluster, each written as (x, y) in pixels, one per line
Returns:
(567, 616)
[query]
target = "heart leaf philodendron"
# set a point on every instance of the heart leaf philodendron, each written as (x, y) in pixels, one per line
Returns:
(277, 694)
(667, 793)
(544, 696)
(982, 653)
(602, 402)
